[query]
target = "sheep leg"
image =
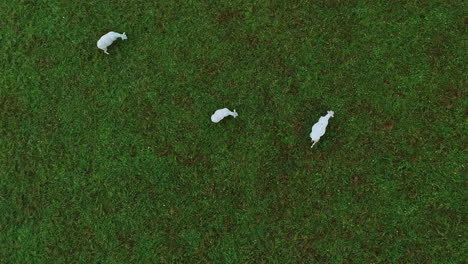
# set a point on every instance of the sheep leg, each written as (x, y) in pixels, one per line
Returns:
(105, 51)
(313, 144)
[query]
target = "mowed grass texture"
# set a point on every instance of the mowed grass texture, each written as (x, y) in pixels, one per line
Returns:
(114, 159)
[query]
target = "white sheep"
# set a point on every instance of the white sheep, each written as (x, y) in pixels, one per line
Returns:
(222, 113)
(105, 41)
(320, 127)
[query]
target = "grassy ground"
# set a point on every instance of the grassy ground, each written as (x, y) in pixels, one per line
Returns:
(113, 159)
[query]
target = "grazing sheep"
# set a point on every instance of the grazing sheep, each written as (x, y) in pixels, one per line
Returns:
(222, 113)
(320, 127)
(105, 41)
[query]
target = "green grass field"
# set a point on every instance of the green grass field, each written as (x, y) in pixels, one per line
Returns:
(114, 159)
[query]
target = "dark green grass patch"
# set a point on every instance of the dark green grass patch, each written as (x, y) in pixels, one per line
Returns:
(113, 158)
